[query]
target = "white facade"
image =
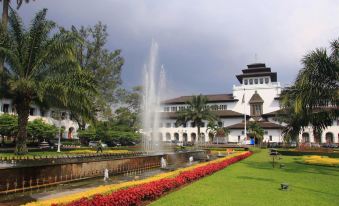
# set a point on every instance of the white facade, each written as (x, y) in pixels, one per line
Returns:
(70, 127)
(256, 95)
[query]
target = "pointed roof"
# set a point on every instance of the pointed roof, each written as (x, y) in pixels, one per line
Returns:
(257, 70)
(256, 98)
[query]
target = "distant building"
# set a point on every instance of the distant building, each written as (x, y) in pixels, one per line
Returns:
(67, 124)
(257, 96)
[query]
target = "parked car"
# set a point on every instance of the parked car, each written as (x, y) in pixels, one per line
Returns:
(329, 145)
(95, 144)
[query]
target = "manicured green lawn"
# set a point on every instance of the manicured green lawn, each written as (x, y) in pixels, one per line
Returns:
(253, 181)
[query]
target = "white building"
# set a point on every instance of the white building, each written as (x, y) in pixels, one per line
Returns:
(257, 96)
(69, 126)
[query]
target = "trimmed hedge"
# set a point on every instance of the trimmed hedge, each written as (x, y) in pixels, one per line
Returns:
(297, 153)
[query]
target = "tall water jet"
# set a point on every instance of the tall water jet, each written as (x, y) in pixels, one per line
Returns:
(153, 89)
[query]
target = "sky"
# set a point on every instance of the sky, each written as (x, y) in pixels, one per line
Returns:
(203, 44)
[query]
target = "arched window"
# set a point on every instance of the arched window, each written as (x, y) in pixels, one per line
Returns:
(329, 137)
(305, 137)
(176, 136)
(168, 136)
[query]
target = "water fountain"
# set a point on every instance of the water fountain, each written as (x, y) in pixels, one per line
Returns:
(190, 160)
(152, 94)
(163, 163)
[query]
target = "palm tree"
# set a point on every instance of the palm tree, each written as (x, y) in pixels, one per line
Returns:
(316, 87)
(196, 112)
(257, 131)
(314, 97)
(41, 67)
(5, 9)
(216, 130)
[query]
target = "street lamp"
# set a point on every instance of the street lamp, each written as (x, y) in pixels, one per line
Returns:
(59, 140)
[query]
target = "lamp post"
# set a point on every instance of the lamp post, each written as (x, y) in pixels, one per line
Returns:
(59, 140)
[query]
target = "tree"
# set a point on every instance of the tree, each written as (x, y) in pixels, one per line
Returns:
(217, 131)
(196, 112)
(4, 22)
(8, 125)
(38, 129)
(41, 67)
(313, 99)
(258, 132)
(103, 64)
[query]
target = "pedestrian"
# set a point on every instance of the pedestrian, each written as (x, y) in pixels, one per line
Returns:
(99, 146)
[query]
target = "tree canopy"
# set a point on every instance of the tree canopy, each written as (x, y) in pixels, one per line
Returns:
(41, 67)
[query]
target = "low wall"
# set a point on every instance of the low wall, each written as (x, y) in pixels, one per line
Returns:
(18, 178)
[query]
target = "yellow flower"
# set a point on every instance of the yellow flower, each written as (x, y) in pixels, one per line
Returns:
(321, 160)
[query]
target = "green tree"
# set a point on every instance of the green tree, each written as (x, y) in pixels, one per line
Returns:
(38, 129)
(196, 112)
(257, 131)
(41, 66)
(217, 131)
(105, 65)
(8, 125)
(313, 99)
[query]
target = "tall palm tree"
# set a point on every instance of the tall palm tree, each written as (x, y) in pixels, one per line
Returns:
(41, 67)
(196, 112)
(257, 131)
(316, 87)
(314, 97)
(4, 20)
(216, 130)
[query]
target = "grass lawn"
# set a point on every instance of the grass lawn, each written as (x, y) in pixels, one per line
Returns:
(253, 181)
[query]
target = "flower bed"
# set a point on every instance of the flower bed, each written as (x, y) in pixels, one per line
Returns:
(320, 160)
(135, 195)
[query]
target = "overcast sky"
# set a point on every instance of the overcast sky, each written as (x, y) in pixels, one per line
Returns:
(204, 44)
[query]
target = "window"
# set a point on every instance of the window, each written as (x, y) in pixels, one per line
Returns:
(238, 138)
(63, 115)
(5, 108)
(223, 107)
(266, 132)
(31, 111)
(251, 81)
(337, 122)
(261, 80)
(166, 109)
(243, 132)
(255, 81)
(220, 124)
(184, 125)
(245, 81)
(202, 124)
(192, 124)
(168, 125)
(42, 113)
(256, 109)
(181, 108)
(270, 137)
(266, 80)
(175, 125)
(173, 109)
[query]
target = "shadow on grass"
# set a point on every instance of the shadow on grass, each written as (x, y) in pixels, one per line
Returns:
(290, 185)
(293, 167)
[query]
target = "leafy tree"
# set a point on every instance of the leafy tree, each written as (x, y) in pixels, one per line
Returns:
(8, 125)
(109, 132)
(103, 64)
(196, 112)
(258, 132)
(38, 129)
(217, 131)
(313, 99)
(124, 116)
(41, 67)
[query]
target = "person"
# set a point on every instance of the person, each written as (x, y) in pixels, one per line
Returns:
(99, 146)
